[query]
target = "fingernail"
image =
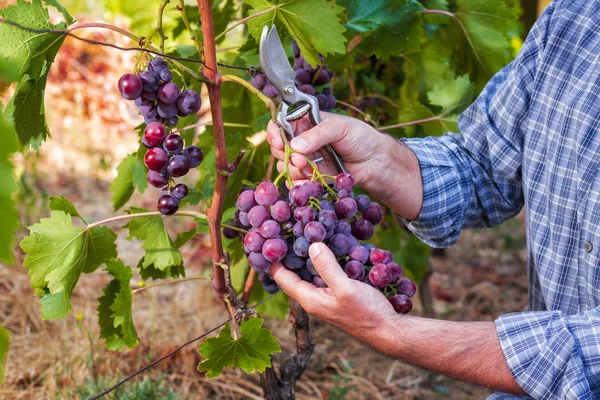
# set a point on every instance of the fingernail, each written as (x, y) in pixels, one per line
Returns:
(314, 250)
(299, 144)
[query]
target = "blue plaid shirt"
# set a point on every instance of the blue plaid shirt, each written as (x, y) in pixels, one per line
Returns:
(532, 139)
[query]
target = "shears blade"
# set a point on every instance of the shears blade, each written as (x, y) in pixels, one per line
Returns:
(273, 60)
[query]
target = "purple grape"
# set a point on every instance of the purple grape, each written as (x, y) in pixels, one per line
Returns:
(353, 241)
(154, 134)
(355, 270)
(194, 155)
(296, 48)
(345, 208)
(274, 249)
(327, 205)
(314, 189)
(302, 77)
(328, 219)
(180, 191)
(401, 303)
(298, 229)
(322, 77)
(270, 229)
(301, 246)
(327, 90)
(165, 75)
(270, 91)
(362, 229)
(339, 244)
(173, 121)
(130, 86)
(396, 271)
(359, 253)
(246, 201)
(157, 65)
(168, 93)
(174, 144)
(269, 284)
(281, 211)
(304, 214)
(156, 158)
(344, 181)
(299, 196)
(230, 233)
(293, 262)
(150, 81)
(266, 194)
(308, 67)
(379, 256)
(254, 241)
(343, 227)
(258, 262)
(369, 247)
(145, 143)
(362, 202)
(373, 213)
(311, 267)
(305, 275)
(298, 63)
(167, 204)
(331, 102)
(189, 102)
(244, 220)
(307, 88)
(166, 110)
(157, 179)
(259, 81)
(390, 256)
(319, 282)
(407, 287)
(322, 99)
(257, 216)
(380, 276)
(149, 96)
(314, 231)
(178, 165)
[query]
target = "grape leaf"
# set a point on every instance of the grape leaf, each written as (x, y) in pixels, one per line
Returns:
(63, 204)
(131, 172)
(436, 4)
(389, 27)
(8, 211)
(251, 352)
(33, 53)
(413, 256)
(4, 345)
(151, 272)
(452, 94)
(142, 15)
(276, 307)
(160, 249)
(314, 24)
(57, 254)
(115, 309)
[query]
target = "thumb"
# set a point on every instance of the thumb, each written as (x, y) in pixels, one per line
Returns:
(327, 266)
(330, 130)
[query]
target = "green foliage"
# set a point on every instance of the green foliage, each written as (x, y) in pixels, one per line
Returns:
(143, 388)
(131, 174)
(251, 352)
(8, 187)
(115, 309)
(4, 345)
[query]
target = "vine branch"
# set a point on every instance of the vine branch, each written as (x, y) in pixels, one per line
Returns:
(417, 122)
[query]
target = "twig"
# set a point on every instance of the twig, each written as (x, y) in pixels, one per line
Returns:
(193, 36)
(268, 102)
(193, 278)
(418, 122)
(159, 25)
(243, 21)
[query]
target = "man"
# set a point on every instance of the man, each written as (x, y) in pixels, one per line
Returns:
(531, 139)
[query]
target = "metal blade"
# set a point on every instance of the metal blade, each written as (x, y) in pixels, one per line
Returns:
(273, 60)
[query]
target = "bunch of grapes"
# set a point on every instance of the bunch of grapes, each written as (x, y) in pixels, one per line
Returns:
(309, 79)
(281, 228)
(160, 102)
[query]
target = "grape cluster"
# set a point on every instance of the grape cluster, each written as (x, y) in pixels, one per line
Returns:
(309, 79)
(281, 228)
(161, 102)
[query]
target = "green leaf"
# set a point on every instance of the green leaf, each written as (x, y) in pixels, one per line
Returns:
(452, 94)
(33, 54)
(160, 249)
(131, 173)
(151, 272)
(314, 24)
(276, 307)
(4, 345)
(389, 28)
(250, 353)
(413, 257)
(115, 309)
(9, 71)
(8, 212)
(184, 237)
(142, 16)
(61, 9)
(57, 254)
(63, 204)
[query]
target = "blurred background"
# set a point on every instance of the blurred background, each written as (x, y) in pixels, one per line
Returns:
(480, 278)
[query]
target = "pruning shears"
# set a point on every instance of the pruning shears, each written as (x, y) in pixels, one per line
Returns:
(280, 73)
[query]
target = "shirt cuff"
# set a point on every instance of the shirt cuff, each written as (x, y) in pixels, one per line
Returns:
(441, 217)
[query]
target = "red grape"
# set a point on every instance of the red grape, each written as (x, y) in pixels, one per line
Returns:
(355, 270)
(401, 303)
(246, 200)
(254, 241)
(344, 181)
(266, 194)
(395, 270)
(274, 249)
(257, 216)
(168, 93)
(167, 204)
(173, 144)
(304, 214)
(280, 211)
(345, 208)
(407, 287)
(380, 276)
(130, 86)
(314, 231)
(157, 179)
(270, 229)
(156, 158)
(154, 134)
(178, 165)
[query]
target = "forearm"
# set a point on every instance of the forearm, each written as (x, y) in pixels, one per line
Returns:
(468, 351)
(395, 178)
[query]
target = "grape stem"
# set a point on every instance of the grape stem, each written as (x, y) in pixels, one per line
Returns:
(193, 214)
(193, 36)
(193, 278)
(243, 21)
(268, 102)
(159, 25)
(366, 117)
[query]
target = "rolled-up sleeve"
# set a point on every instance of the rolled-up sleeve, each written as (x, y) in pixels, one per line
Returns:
(474, 179)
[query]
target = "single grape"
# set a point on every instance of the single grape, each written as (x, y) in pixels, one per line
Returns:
(167, 204)
(319, 282)
(244, 219)
(362, 202)
(298, 63)
(311, 267)
(353, 241)
(257, 216)
(298, 229)
(178, 165)
(315, 189)
(173, 121)
(373, 213)
(174, 144)
(355, 270)
(378, 256)
(258, 262)
(304, 214)
(194, 155)
(270, 91)
(266, 194)
(296, 48)
(145, 143)
(165, 75)
(293, 262)
(301, 246)
(390, 256)
(380, 276)
(180, 191)
(130, 86)
(254, 241)
(150, 81)
(339, 244)
(245, 200)
(307, 88)
(327, 90)
(259, 81)
(401, 303)
(305, 275)
(362, 229)
(156, 158)
(322, 99)
(407, 287)
(342, 226)
(154, 134)
(150, 96)
(328, 219)
(331, 102)
(189, 102)
(308, 67)
(322, 77)
(314, 231)
(345, 208)
(299, 196)
(168, 93)
(281, 211)
(359, 253)
(157, 179)
(396, 271)
(327, 205)
(270, 229)
(157, 65)
(344, 181)
(268, 283)
(302, 77)
(166, 110)
(274, 249)
(230, 233)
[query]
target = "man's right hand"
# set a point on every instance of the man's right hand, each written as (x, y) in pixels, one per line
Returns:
(380, 164)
